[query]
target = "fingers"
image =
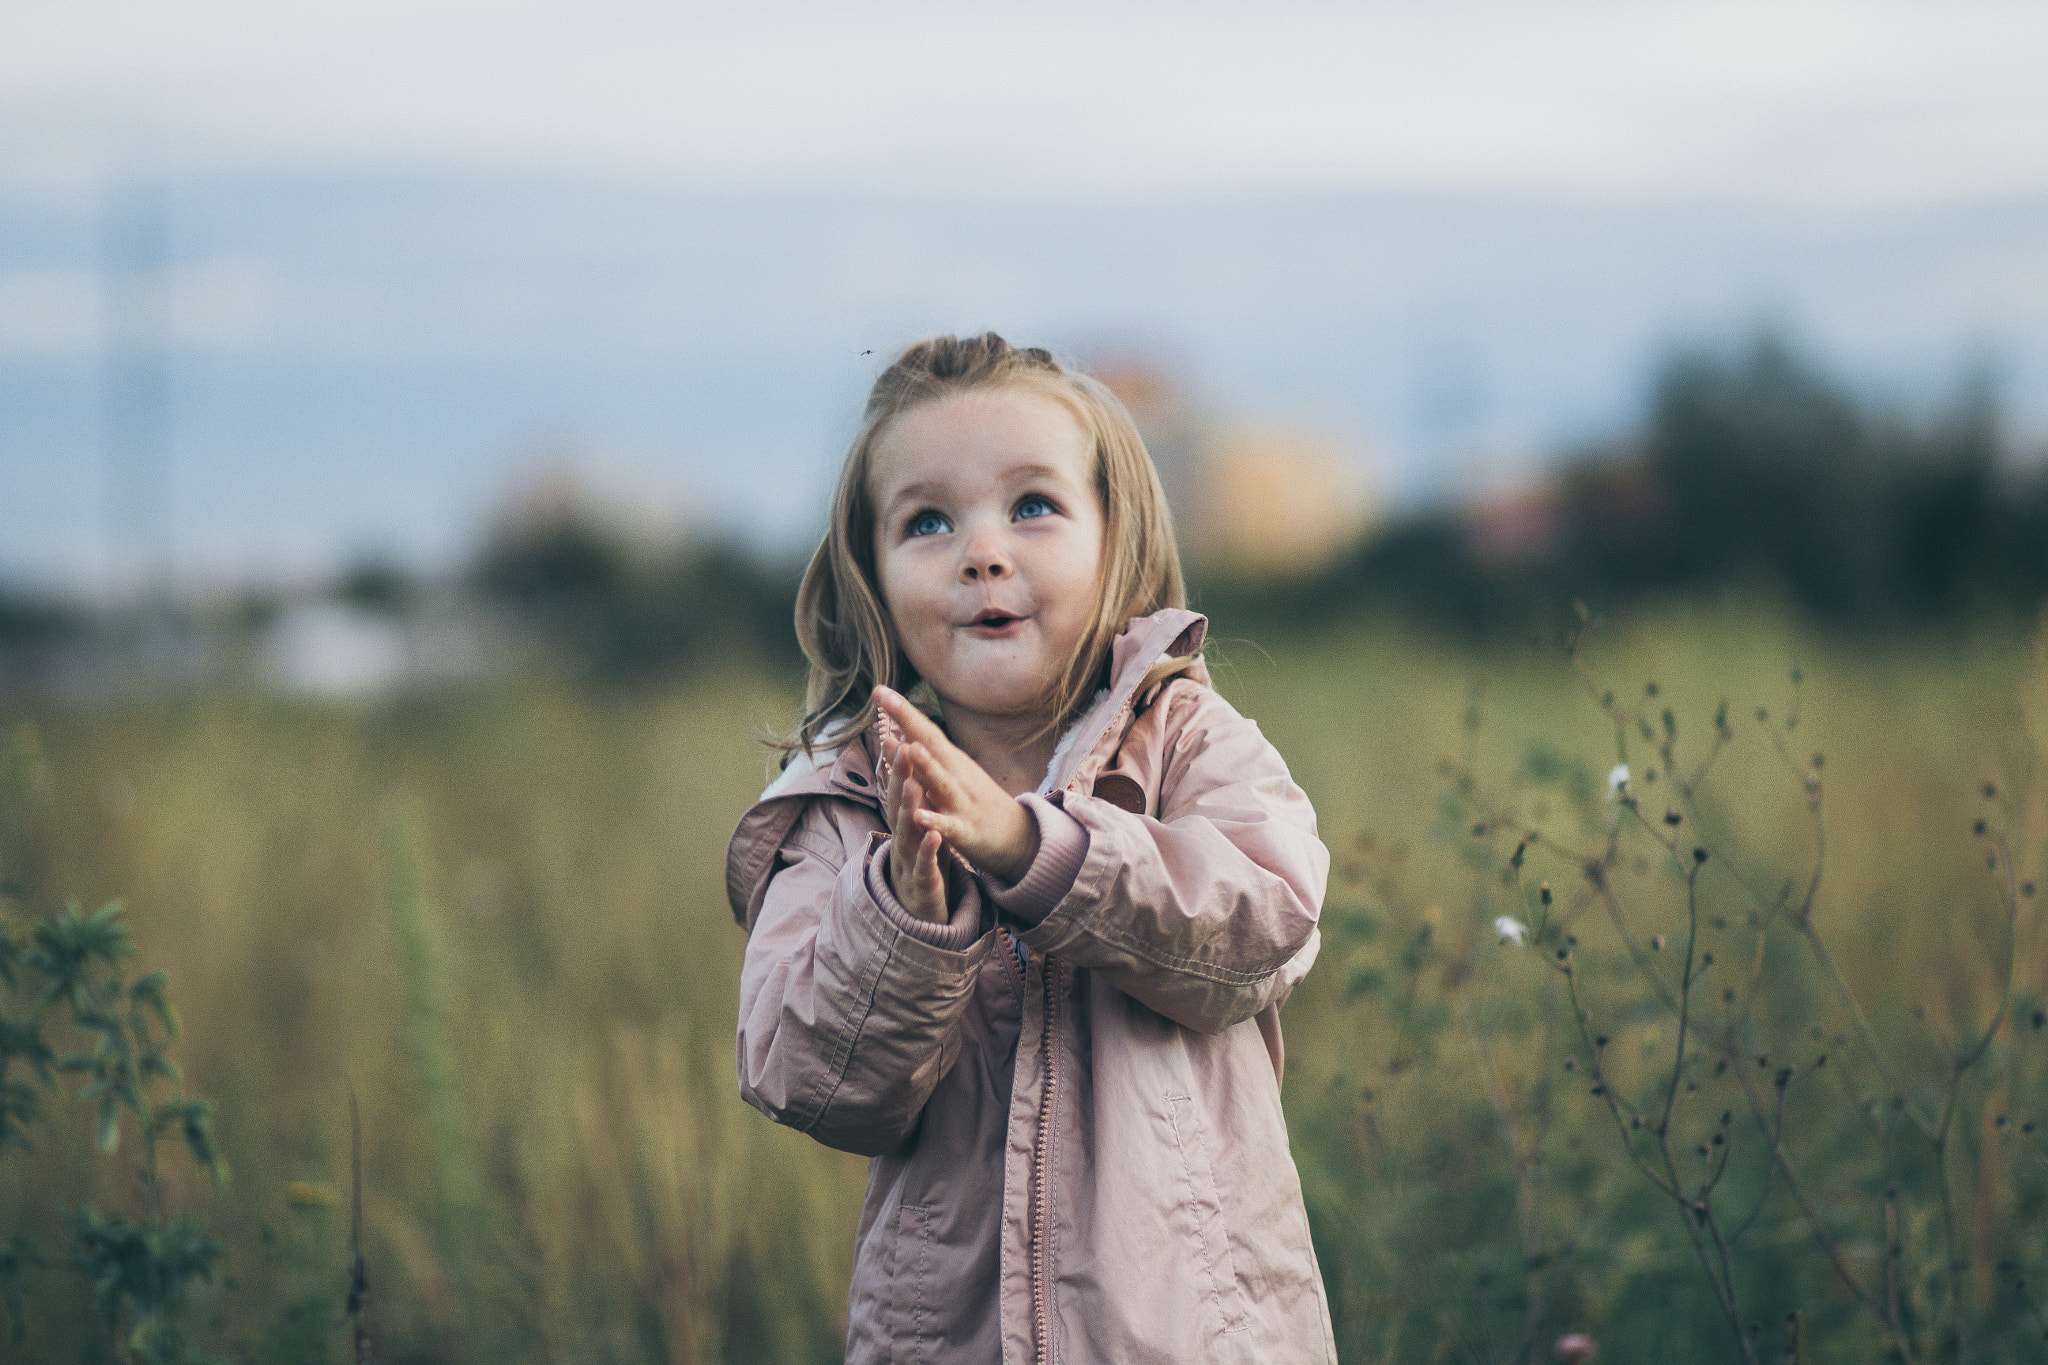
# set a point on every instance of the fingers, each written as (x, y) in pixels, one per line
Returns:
(914, 725)
(927, 881)
(939, 788)
(946, 826)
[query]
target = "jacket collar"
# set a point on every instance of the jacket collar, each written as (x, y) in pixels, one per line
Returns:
(1143, 643)
(844, 766)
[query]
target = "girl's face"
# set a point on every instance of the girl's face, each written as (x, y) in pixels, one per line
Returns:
(987, 540)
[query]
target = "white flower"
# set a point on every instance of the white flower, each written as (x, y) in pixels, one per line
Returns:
(1617, 778)
(1511, 930)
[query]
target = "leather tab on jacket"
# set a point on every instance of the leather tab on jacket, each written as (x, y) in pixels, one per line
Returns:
(1121, 791)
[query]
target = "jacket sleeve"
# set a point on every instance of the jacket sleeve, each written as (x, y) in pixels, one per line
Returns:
(1206, 913)
(850, 1007)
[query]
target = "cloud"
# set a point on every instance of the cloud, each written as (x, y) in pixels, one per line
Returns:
(1831, 99)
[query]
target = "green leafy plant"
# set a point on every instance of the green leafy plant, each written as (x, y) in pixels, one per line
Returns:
(67, 988)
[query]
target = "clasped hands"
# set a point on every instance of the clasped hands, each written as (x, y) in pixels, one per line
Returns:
(940, 800)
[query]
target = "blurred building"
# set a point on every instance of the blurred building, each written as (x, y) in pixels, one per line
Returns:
(1262, 500)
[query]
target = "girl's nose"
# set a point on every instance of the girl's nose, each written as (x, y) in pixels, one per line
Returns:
(984, 559)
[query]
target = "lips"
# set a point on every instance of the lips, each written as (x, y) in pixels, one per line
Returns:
(993, 620)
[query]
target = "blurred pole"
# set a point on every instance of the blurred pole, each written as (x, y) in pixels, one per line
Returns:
(138, 391)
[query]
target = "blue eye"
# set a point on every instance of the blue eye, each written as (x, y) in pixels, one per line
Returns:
(1034, 506)
(928, 524)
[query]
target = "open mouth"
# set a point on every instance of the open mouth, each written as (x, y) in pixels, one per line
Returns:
(994, 620)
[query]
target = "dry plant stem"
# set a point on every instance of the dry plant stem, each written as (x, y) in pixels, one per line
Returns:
(1702, 1207)
(1777, 1132)
(1958, 1261)
(358, 1279)
(1693, 1213)
(1889, 1314)
(1596, 874)
(1802, 920)
(1891, 1268)
(1692, 935)
(1528, 1203)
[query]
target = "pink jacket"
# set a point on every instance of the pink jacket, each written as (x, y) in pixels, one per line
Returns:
(1078, 1153)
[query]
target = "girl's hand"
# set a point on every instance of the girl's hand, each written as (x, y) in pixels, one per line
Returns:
(956, 798)
(915, 873)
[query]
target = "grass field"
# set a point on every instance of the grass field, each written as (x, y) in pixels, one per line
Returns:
(498, 916)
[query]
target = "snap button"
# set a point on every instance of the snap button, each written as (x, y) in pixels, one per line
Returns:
(1122, 792)
(856, 779)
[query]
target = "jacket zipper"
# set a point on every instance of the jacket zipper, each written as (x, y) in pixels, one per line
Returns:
(1041, 1195)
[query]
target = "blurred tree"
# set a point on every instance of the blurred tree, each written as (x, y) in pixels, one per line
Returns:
(1753, 471)
(1769, 472)
(618, 612)
(378, 583)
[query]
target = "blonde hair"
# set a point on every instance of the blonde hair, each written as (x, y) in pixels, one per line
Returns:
(841, 620)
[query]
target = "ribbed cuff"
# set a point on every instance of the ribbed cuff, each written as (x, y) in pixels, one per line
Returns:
(957, 934)
(1062, 848)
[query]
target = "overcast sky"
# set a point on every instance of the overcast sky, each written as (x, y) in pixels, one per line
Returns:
(1837, 102)
(409, 239)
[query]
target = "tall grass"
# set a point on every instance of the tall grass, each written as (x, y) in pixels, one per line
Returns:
(499, 915)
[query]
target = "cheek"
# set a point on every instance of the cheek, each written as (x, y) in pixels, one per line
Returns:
(907, 597)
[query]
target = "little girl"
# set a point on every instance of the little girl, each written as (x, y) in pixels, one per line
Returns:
(1028, 953)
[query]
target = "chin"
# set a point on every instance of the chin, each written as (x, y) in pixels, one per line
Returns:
(1000, 696)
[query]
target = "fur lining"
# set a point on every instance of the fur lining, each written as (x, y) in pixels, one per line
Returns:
(824, 752)
(1052, 765)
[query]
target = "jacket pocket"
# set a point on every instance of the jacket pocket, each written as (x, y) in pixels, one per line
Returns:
(914, 1340)
(1209, 1235)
